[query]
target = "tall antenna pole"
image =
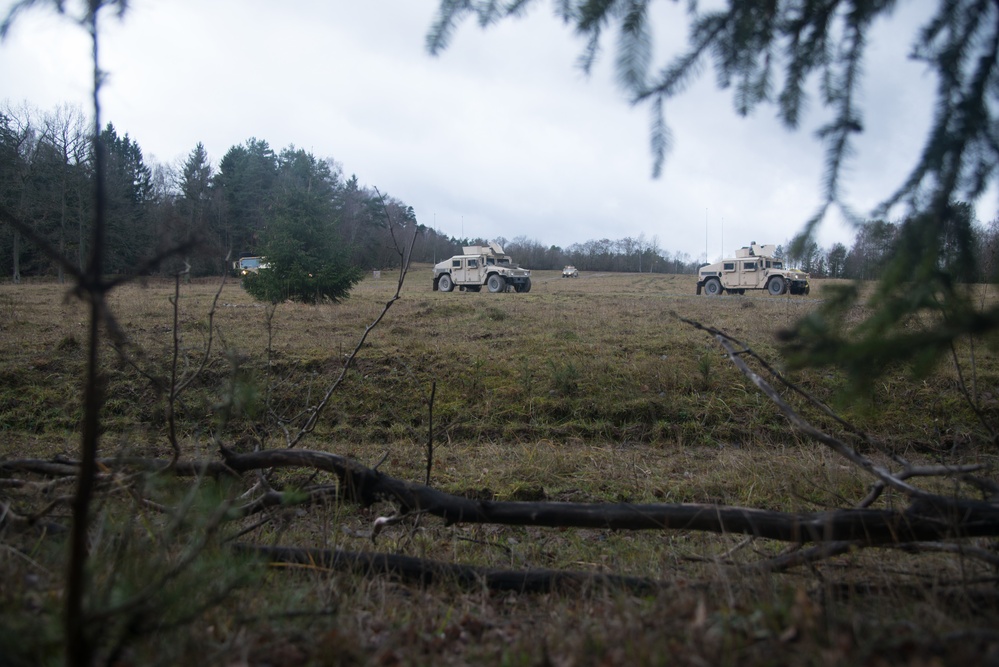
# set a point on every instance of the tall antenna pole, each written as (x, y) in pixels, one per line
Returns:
(705, 235)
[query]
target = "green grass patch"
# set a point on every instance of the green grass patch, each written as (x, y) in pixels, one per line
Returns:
(588, 390)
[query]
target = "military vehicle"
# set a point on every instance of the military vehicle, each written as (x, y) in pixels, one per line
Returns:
(480, 266)
(570, 272)
(754, 267)
(246, 265)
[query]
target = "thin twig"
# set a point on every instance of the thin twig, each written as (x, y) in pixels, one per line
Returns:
(430, 431)
(405, 255)
(838, 446)
(799, 557)
(828, 411)
(969, 399)
(921, 471)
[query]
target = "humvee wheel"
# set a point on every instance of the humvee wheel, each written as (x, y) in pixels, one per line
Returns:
(777, 286)
(496, 283)
(524, 287)
(712, 287)
(444, 283)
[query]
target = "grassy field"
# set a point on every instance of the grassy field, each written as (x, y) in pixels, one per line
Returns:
(587, 390)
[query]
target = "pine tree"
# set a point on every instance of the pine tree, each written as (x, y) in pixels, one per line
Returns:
(129, 197)
(194, 206)
(307, 259)
(245, 182)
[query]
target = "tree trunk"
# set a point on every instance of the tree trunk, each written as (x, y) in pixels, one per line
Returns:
(17, 258)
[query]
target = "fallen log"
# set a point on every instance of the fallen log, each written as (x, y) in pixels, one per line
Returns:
(927, 518)
(410, 569)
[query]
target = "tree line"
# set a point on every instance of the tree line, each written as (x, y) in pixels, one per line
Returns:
(966, 246)
(306, 207)
(255, 197)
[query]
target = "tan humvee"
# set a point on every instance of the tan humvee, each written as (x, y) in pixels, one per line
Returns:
(481, 266)
(752, 268)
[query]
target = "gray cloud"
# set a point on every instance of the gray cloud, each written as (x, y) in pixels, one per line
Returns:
(501, 135)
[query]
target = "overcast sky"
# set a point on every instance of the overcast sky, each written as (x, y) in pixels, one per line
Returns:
(500, 136)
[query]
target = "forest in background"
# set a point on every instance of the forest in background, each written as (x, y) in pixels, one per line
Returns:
(227, 210)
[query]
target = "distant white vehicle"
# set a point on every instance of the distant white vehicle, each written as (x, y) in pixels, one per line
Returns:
(570, 272)
(753, 267)
(246, 265)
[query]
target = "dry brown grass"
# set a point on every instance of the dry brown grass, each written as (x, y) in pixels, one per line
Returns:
(585, 389)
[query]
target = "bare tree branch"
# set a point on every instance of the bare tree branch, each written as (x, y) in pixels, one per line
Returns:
(881, 474)
(426, 572)
(921, 471)
(928, 518)
(405, 253)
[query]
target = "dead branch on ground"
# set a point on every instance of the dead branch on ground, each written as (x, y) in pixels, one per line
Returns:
(928, 518)
(427, 572)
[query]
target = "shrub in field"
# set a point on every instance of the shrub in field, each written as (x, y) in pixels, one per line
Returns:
(307, 279)
(565, 378)
(304, 250)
